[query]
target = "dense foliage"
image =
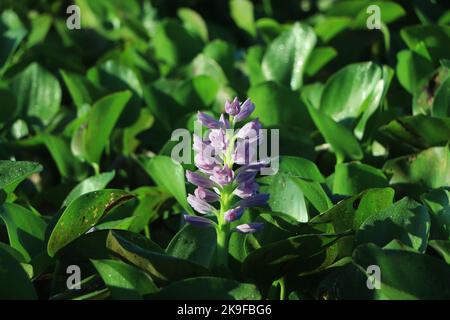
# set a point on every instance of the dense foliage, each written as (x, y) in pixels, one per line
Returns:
(87, 183)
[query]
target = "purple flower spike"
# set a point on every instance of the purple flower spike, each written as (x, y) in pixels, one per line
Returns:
(206, 195)
(234, 214)
(247, 108)
(200, 205)
(256, 200)
(215, 157)
(249, 227)
(232, 108)
(208, 121)
(198, 221)
(222, 175)
(198, 179)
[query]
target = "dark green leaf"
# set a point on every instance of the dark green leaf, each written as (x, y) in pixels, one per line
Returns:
(194, 244)
(123, 280)
(207, 288)
(81, 215)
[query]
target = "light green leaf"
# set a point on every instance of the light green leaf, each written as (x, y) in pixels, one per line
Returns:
(286, 57)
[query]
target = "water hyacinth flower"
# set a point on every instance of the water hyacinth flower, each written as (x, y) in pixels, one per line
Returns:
(198, 221)
(249, 227)
(198, 179)
(233, 108)
(200, 205)
(227, 169)
(246, 109)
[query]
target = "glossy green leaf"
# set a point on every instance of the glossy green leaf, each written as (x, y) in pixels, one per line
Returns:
(14, 172)
(355, 177)
(293, 255)
(68, 165)
(26, 230)
(433, 37)
(81, 215)
(411, 68)
(418, 131)
(442, 247)
(170, 41)
(158, 168)
(101, 121)
(123, 280)
(286, 196)
(342, 142)
(438, 203)
(300, 168)
(319, 58)
(193, 22)
(242, 13)
(253, 60)
(352, 212)
(82, 91)
(147, 256)
(441, 102)
(406, 275)
(429, 168)
(330, 27)
(194, 244)
(286, 57)
(90, 184)
(12, 32)
(350, 91)
(198, 92)
(38, 93)
(406, 220)
(278, 105)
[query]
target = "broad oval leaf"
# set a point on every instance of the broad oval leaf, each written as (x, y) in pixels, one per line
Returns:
(82, 214)
(406, 220)
(38, 93)
(101, 121)
(26, 230)
(286, 56)
(355, 177)
(168, 175)
(429, 168)
(145, 254)
(194, 244)
(294, 255)
(90, 184)
(406, 275)
(123, 280)
(349, 92)
(342, 141)
(14, 172)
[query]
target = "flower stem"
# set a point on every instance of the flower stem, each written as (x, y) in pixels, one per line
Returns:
(223, 235)
(222, 245)
(282, 283)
